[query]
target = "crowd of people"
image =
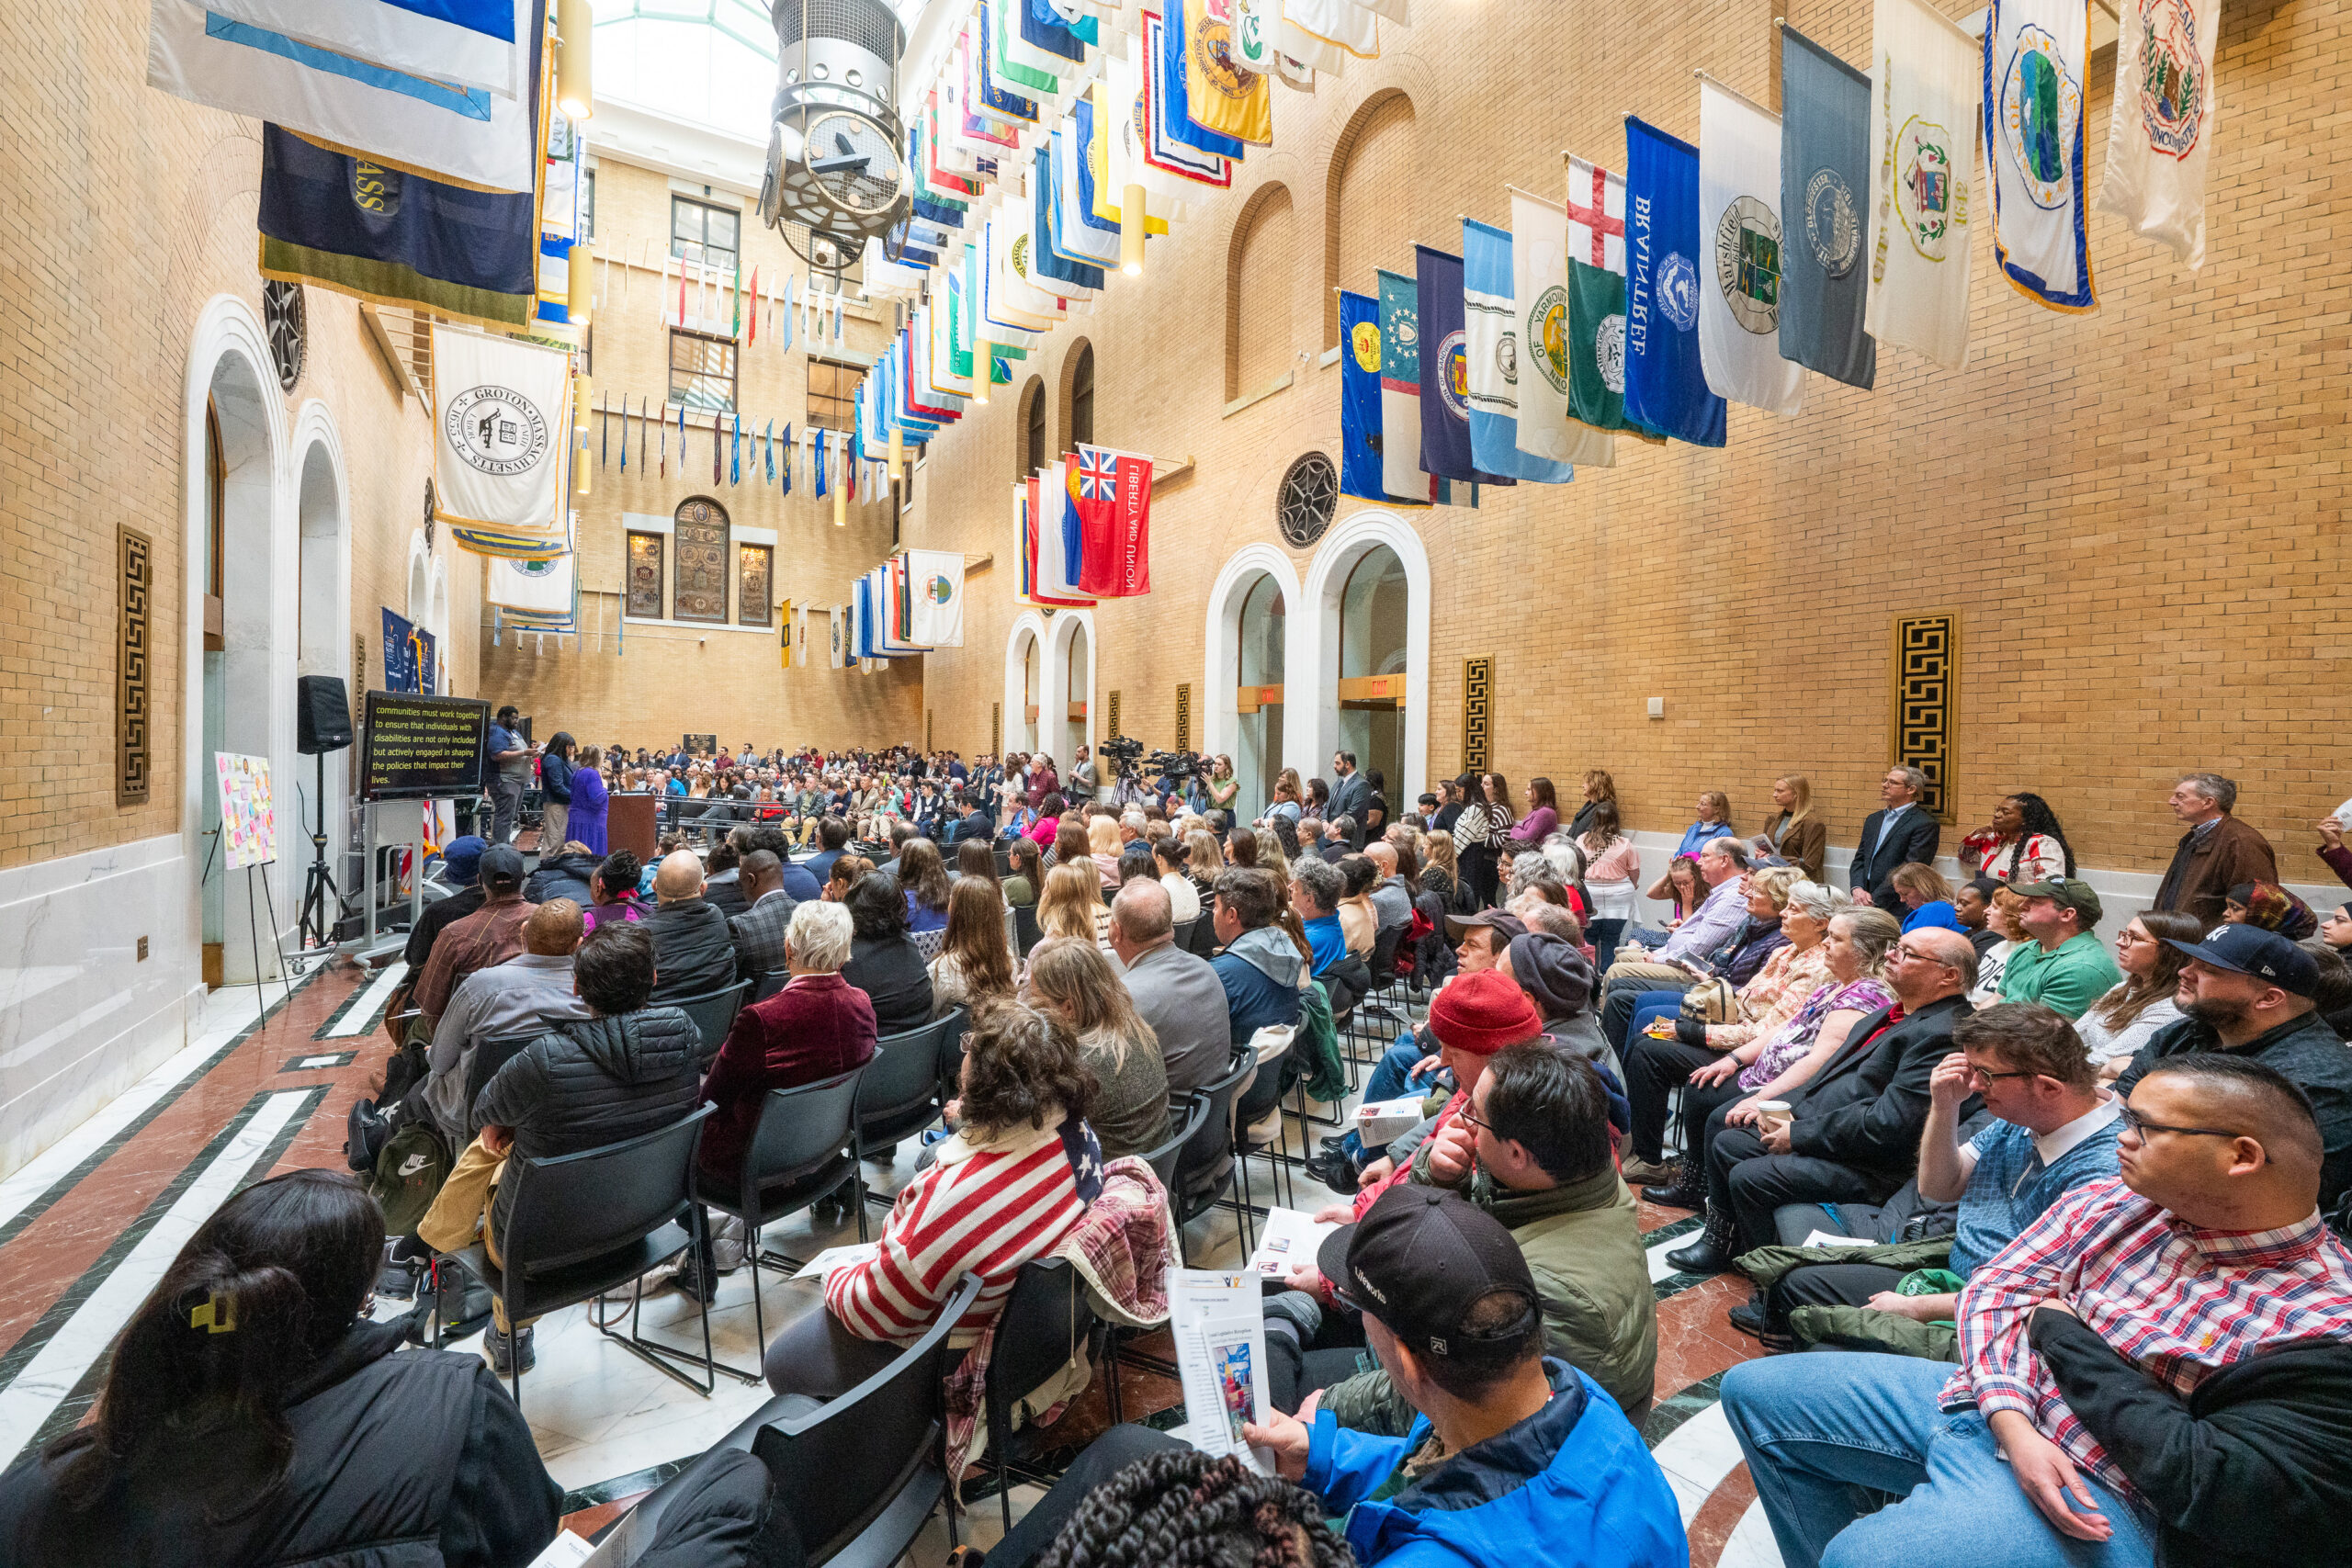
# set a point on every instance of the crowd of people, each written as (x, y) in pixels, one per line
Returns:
(2061, 1210)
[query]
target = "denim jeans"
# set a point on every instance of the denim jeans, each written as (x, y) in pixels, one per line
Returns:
(1392, 1079)
(1821, 1429)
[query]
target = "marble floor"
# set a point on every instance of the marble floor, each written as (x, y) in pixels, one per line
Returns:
(87, 1226)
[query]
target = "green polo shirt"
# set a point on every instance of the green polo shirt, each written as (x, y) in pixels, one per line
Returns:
(2067, 979)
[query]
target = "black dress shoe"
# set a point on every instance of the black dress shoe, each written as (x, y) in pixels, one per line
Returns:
(1336, 1174)
(1336, 1146)
(1705, 1256)
(1676, 1197)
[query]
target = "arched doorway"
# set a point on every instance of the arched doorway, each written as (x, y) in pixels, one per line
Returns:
(1371, 691)
(1024, 683)
(1065, 714)
(1078, 682)
(1366, 635)
(322, 640)
(1251, 652)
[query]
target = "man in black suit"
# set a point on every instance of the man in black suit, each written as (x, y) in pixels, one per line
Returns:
(975, 822)
(1855, 1134)
(1903, 831)
(1347, 797)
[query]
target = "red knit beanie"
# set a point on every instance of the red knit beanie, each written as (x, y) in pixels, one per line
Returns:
(1482, 1013)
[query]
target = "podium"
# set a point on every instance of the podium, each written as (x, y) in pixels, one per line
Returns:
(630, 824)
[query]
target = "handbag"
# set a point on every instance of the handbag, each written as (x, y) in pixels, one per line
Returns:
(1712, 1001)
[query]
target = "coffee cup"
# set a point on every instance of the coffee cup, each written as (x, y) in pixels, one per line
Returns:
(1774, 1113)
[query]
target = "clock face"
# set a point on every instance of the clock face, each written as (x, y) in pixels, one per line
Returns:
(853, 164)
(282, 317)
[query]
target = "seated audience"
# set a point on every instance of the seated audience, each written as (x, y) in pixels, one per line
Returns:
(612, 890)
(975, 962)
(1205, 863)
(1257, 963)
(1722, 867)
(901, 834)
(1135, 862)
(1359, 921)
(833, 834)
(1021, 1145)
(974, 858)
(1972, 901)
(1316, 889)
(924, 876)
(721, 881)
(1027, 875)
(460, 869)
(525, 995)
(1736, 958)
(1071, 905)
(1047, 825)
(693, 948)
(2217, 852)
(1925, 897)
(758, 931)
(1103, 845)
(1074, 980)
(1853, 1132)
(847, 872)
(884, 962)
(2120, 1396)
(2269, 906)
(490, 936)
(2002, 915)
(2052, 1130)
(2064, 968)
(1176, 993)
(1072, 846)
(2253, 993)
(1170, 855)
(1440, 870)
(1339, 838)
(1134, 1484)
(251, 1412)
(563, 874)
(628, 1067)
(1392, 903)
(2144, 1000)
(2023, 843)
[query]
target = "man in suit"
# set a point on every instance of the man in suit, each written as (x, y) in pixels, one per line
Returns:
(1855, 1134)
(1347, 797)
(2217, 853)
(1902, 831)
(975, 822)
(759, 931)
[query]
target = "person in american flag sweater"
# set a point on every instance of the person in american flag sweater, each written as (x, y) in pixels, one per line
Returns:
(1016, 1177)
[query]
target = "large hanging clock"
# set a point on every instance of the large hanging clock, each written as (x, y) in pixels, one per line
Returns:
(282, 316)
(1309, 497)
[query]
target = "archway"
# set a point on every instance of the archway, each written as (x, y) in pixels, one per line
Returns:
(322, 637)
(1367, 624)
(1249, 643)
(1024, 670)
(1066, 716)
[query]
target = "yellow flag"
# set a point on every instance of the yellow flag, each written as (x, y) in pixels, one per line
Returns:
(1219, 94)
(787, 634)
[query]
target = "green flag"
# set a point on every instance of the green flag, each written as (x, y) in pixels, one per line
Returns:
(1596, 345)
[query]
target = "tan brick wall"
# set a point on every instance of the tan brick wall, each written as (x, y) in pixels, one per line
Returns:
(2137, 512)
(677, 679)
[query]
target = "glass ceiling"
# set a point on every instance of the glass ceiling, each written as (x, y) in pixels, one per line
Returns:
(709, 63)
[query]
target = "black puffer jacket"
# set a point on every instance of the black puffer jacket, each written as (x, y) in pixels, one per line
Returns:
(399, 1461)
(563, 876)
(692, 950)
(593, 1082)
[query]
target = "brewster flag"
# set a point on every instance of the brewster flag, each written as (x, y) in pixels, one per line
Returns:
(502, 418)
(426, 123)
(936, 579)
(1497, 360)
(2161, 128)
(1539, 277)
(1360, 474)
(1924, 80)
(1824, 176)
(1596, 247)
(1400, 392)
(2037, 53)
(1110, 492)
(1665, 388)
(1739, 299)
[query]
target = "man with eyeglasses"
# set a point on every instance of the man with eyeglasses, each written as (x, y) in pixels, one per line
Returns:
(2250, 992)
(2053, 1129)
(2159, 1370)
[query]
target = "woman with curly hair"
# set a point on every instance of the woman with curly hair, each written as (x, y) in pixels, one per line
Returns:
(1137, 1499)
(2023, 843)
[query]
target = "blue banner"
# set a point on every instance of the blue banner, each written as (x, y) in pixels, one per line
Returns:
(1170, 66)
(1665, 388)
(1445, 369)
(1359, 397)
(1824, 189)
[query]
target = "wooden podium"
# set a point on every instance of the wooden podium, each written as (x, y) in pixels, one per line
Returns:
(629, 824)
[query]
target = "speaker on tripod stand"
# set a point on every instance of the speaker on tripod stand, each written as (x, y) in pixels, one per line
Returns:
(322, 724)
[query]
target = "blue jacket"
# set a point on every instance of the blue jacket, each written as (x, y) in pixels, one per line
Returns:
(1259, 974)
(1571, 1485)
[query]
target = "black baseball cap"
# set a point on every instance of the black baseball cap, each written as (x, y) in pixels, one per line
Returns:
(501, 870)
(1421, 1260)
(2266, 955)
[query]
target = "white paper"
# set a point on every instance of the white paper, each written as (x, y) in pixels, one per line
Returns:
(566, 1551)
(826, 1263)
(1219, 1329)
(1387, 1119)
(1288, 1237)
(1822, 1238)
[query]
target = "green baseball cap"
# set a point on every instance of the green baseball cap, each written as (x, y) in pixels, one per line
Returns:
(2067, 893)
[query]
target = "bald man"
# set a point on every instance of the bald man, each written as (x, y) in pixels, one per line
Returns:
(694, 950)
(1854, 1136)
(1392, 902)
(527, 995)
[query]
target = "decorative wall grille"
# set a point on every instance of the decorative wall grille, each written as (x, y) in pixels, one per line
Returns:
(134, 586)
(1114, 731)
(1925, 675)
(1477, 697)
(1185, 717)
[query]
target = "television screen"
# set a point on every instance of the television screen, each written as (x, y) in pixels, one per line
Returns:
(416, 748)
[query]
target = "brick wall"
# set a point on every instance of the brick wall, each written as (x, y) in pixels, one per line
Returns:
(2137, 512)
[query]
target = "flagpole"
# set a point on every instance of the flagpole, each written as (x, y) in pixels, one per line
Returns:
(1725, 86)
(1516, 190)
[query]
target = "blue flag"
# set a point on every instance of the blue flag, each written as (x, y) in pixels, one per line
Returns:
(1181, 127)
(1042, 28)
(1491, 316)
(787, 458)
(819, 437)
(735, 453)
(1445, 369)
(1825, 190)
(768, 445)
(1359, 397)
(1049, 262)
(1665, 388)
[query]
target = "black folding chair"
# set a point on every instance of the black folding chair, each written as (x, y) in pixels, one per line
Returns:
(1045, 1321)
(1184, 932)
(489, 1057)
(1025, 931)
(714, 1014)
(898, 1095)
(1188, 1112)
(582, 1224)
(772, 982)
(1199, 1186)
(1204, 942)
(952, 1026)
(802, 1150)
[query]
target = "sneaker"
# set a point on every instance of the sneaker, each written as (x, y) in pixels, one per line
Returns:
(1751, 1317)
(510, 1353)
(1336, 1174)
(1639, 1172)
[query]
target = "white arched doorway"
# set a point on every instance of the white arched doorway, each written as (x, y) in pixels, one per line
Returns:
(321, 785)
(1066, 716)
(1367, 653)
(1247, 651)
(1024, 673)
(240, 688)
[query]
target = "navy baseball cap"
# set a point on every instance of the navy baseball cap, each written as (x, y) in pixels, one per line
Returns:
(1422, 1261)
(461, 858)
(2266, 955)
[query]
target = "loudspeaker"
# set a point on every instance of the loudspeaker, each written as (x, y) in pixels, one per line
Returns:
(321, 715)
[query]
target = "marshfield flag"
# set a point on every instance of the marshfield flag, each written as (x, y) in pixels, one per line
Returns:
(501, 421)
(935, 580)
(1739, 294)
(1924, 90)
(420, 117)
(2162, 124)
(2037, 53)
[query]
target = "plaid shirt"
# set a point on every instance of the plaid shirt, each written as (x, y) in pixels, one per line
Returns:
(2177, 1302)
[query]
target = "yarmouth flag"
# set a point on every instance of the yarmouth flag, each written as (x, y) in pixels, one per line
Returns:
(1924, 91)
(1400, 393)
(1538, 271)
(1496, 363)
(1739, 289)
(1665, 388)
(2036, 55)
(1360, 440)
(1596, 244)
(1824, 178)
(2161, 126)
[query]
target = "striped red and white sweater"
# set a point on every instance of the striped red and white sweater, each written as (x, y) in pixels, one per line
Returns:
(982, 1209)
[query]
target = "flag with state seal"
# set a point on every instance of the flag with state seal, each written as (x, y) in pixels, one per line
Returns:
(1665, 386)
(1740, 225)
(935, 594)
(1539, 273)
(1925, 80)
(1497, 360)
(2161, 128)
(1824, 178)
(1446, 371)
(2037, 57)
(502, 418)
(1221, 93)
(1400, 393)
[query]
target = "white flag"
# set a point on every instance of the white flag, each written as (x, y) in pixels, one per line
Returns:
(2161, 126)
(471, 43)
(1739, 220)
(1539, 268)
(936, 579)
(501, 417)
(1924, 100)
(837, 627)
(2036, 53)
(535, 587)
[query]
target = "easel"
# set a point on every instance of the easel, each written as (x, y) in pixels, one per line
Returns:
(253, 928)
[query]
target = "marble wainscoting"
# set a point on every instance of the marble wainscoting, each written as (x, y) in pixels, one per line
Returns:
(82, 1016)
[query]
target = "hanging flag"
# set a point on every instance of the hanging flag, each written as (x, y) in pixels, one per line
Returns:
(1049, 508)
(800, 636)
(1539, 275)
(1446, 370)
(465, 43)
(1076, 237)
(787, 458)
(755, 301)
(786, 343)
(1360, 468)
(1334, 27)
(735, 452)
(605, 431)
(1400, 393)
(1665, 388)
(532, 589)
(1825, 177)
(2036, 52)
(784, 636)
(502, 409)
(767, 445)
(716, 467)
(426, 124)
(839, 298)
(666, 448)
(1924, 108)
(1221, 93)
(1166, 163)
(2161, 128)
(1111, 498)
(837, 634)
(1739, 297)
(625, 437)
(1169, 59)
(937, 590)
(817, 438)
(1596, 246)
(1494, 359)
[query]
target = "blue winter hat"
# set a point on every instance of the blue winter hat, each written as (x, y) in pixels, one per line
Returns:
(461, 859)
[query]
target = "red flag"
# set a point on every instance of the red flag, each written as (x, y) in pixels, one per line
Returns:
(755, 304)
(1112, 493)
(681, 293)
(1132, 546)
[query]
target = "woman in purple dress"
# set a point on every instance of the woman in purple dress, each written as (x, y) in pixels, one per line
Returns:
(588, 801)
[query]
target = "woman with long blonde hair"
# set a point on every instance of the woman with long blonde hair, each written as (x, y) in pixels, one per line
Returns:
(1203, 863)
(1075, 982)
(1071, 905)
(1795, 835)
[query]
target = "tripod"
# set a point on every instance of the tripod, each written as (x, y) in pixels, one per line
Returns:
(322, 899)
